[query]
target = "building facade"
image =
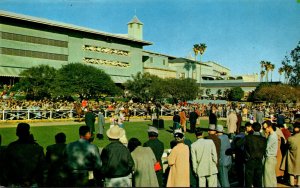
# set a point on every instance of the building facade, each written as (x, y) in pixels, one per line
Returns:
(29, 41)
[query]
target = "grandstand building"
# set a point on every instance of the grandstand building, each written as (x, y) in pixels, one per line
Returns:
(28, 41)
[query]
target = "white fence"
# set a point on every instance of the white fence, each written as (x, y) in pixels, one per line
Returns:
(65, 114)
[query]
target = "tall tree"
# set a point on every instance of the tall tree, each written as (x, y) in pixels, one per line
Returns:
(267, 68)
(37, 81)
(291, 66)
(83, 80)
(196, 50)
(236, 94)
(272, 67)
(201, 48)
(262, 74)
(145, 87)
(262, 65)
(295, 55)
(280, 71)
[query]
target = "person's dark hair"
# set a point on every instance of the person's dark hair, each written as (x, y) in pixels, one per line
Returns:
(60, 138)
(83, 130)
(242, 129)
(152, 134)
(280, 126)
(133, 143)
(248, 124)
(23, 130)
(274, 126)
(198, 131)
(268, 122)
(256, 126)
(296, 124)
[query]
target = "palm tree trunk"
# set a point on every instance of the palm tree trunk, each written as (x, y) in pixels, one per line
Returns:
(267, 76)
(271, 75)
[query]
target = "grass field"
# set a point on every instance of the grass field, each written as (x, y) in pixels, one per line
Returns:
(44, 135)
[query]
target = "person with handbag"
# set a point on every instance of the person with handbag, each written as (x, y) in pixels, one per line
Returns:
(145, 164)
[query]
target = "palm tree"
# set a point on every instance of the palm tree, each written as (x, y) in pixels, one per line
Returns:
(287, 72)
(207, 92)
(272, 67)
(262, 74)
(219, 93)
(195, 49)
(187, 66)
(280, 71)
(267, 68)
(262, 65)
(201, 48)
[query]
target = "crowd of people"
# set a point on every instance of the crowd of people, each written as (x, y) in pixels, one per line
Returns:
(263, 153)
(41, 108)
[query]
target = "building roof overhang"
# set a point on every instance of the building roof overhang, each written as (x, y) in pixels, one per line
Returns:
(25, 18)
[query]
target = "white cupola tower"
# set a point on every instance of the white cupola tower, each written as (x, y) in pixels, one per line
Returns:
(135, 29)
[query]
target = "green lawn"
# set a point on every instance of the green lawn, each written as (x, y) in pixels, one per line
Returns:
(45, 134)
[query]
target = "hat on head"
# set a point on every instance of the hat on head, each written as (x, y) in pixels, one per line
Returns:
(152, 129)
(178, 133)
(115, 132)
(220, 128)
(212, 127)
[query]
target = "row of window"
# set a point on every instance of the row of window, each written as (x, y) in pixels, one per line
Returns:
(35, 40)
(34, 54)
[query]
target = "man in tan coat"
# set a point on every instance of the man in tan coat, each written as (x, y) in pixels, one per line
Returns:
(291, 161)
(231, 123)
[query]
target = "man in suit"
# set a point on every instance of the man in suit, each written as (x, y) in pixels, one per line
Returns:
(254, 149)
(204, 159)
(291, 161)
(90, 119)
(158, 149)
(212, 134)
(193, 120)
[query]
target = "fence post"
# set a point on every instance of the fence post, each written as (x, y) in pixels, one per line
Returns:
(3, 113)
(161, 112)
(105, 113)
(50, 114)
(134, 112)
(28, 114)
(71, 113)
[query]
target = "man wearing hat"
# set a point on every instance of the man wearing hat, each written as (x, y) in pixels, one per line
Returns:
(225, 160)
(158, 149)
(212, 134)
(25, 160)
(117, 163)
(204, 159)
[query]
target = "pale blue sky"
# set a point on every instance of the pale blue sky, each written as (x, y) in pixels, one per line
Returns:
(238, 33)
